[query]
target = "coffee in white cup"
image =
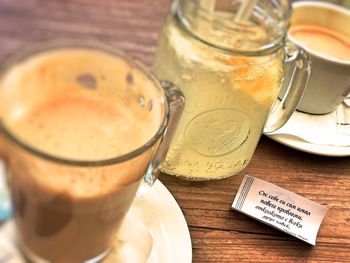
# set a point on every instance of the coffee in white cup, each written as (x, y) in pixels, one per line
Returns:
(323, 30)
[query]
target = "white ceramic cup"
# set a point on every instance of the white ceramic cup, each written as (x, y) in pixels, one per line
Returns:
(330, 77)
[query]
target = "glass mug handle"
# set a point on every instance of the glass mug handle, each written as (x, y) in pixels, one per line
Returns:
(176, 102)
(298, 67)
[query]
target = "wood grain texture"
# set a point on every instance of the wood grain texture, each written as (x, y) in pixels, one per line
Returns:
(221, 235)
(218, 234)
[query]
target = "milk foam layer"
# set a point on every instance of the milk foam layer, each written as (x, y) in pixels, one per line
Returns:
(46, 106)
(322, 40)
(82, 127)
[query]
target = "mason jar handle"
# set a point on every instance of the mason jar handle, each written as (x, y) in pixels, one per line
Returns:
(298, 67)
(176, 102)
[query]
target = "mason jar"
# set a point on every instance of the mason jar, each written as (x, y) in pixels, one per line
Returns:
(231, 69)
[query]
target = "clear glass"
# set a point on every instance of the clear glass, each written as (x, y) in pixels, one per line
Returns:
(81, 124)
(231, 73)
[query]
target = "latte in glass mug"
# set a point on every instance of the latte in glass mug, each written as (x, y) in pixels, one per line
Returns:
(81, 127)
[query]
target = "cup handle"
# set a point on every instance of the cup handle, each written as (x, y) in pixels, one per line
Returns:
(297, 71)
(176, 102)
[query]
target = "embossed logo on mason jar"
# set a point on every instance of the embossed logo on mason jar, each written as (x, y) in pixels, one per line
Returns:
(217, 132)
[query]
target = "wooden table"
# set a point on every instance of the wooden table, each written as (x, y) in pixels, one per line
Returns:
(218, 234)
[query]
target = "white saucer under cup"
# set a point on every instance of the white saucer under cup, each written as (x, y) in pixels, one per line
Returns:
(316, 134)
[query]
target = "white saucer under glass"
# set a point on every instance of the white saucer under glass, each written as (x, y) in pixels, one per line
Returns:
(155, 231)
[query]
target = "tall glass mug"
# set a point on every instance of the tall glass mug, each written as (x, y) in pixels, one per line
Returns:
(81, 125)
(230, 70)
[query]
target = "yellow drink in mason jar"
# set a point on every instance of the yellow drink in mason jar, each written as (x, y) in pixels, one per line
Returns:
(228, 99)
